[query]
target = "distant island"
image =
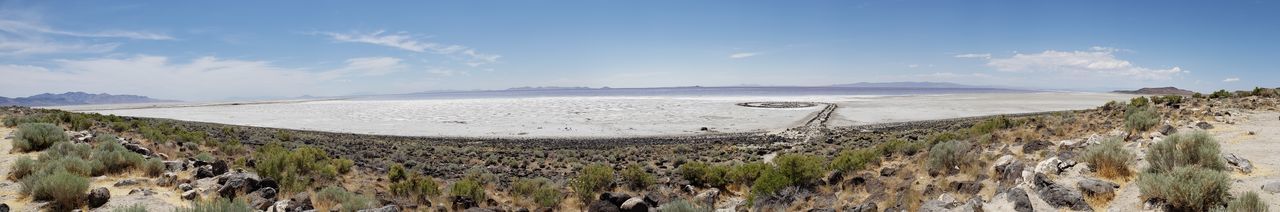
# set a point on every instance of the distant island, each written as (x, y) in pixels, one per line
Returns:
(76, 98)
(1158, 91)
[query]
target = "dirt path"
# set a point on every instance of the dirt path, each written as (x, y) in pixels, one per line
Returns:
(1260, 149)
(8, 188)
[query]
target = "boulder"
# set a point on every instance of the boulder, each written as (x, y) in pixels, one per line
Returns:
(635, 204)
(1034, 146)
(602, 206)
(654, 199)
(1168, 130)
(1096, 187)
(237, 183)
(888, 171)
(1047, 166)
(614, 198)
(190, 195)
(262, 198)
(1011, 200)
(1272, 187)
(175, 165)
(98, 197)
(4, 207)
(1204, 125)
(205, 171)
(167, 179)
(1059, 196)
(127, 182)
(185, 187)
(966, 187)
(387, 208)
(300, 202)
(142, 191)
(138, 148)
(1009, 172)
(463, 203)
(708, 196)
(864, 207)
(1238, 163)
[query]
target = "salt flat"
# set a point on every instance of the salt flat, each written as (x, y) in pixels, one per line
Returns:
(602, 116)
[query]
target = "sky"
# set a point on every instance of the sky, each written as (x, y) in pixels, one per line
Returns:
(196, 50)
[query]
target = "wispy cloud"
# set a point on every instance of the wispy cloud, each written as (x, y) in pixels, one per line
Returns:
(20, 37)
(30, 27)
(1098, 61)
(971, 55)
(741, 55)
(405, 41)
(1233, 79)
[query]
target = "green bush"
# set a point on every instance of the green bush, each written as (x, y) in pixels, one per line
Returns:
(935, 138)
(396, 172)
(1186, 188)
(693, 171)
(334, 196)
(850, 161)
(218, 205)
(423, 187)
(1140, 119)
(947, 156)
(343, 165)
(593, 178)
(526, 187)
(115, 158)
(153, 167)
(294, 170)
(770, 182)
(22, 167)
(548, 196)
(470, 188)
(1140, 101)
(899, 147)
(67, 149)
(1196, 149)
(800, 169)
(1167, 99)
(131, 208)
(745, 174)
(990, 125)
(636, 177)
(681, 206)
(37, 136)
(1109, 159)
(539, 190)
(65, 190)
(1250, 202)
(72, 165)
(1220, 94)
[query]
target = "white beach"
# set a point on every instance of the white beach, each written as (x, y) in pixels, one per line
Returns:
(603, 116)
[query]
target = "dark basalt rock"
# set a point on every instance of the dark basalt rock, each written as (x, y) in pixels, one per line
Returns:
(98, 197)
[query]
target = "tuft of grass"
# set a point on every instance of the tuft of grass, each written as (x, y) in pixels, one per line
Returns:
(850, 161)
(337, 198)
(681, 206)
(131, 208)
(593, 179)
(218, 205)
(343, 165)
(1249, 202)
(22, 167)
(37, 136)
(1197, 149)
(1186, 188)
(947, 156)
(153, 167)
(636, 177)
(396, 172)
(800, 169)
(1109, 159)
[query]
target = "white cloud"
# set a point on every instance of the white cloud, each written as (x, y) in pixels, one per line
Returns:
(983, 55)
(19, 38)
(1098, 61)
(1233, 79)
(199, 79)
(913, 66)
(408, 42)
(741, 55)
(29, 27)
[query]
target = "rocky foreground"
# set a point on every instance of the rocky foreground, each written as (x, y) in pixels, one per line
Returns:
(1029, 162)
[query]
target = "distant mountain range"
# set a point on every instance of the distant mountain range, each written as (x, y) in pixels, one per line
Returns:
(1158, 91)
(76, 98)
(905, 85)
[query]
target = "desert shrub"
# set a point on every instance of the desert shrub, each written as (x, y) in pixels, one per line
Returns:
(593, 178)
(1186, 188)
(131, 208)
(218, 205)
(526, 187)
(343, 165)
(693, 171)
(539, 190)
(1109, 159)
(22, 167)
(115, 158)
(770, 182)
(396, 172)
(470, 188)
(800, 169)
(681, 206)
(935, 138)
(153, 167)
(850, 161)
(1140, 119)
(65, 190)
(331, 197)
(205, 156)
(1196, 149)
(947, 156)
(294, 170)
(899, 147)
(37, 136)
(635, 176)
(1197, 95)
(548, 196)
(67, 149)
(990, 125)
(1167, 99)
(417, 185)
(745, 174)
(1140, 101)
(1249, 202)
(71, 165)
(1220, 94)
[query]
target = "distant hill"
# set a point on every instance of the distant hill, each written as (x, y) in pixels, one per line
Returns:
(1158, 91)
(76, 98)
(905, 85)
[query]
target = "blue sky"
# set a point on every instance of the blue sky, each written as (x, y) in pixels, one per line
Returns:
(197, 51)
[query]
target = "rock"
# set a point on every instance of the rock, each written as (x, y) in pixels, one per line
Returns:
(1035, 145)
(205, 171)
(1272, 187)
(1003, 160)
(1048, 166)
(387, 208)
(185, 187)
(127, 182)
(175, 165)
(262, 198)
(1095, 187)
(98, 197)
(934, 206)
(142, 191)
(167, 179)
(822, 210)
(655, 200)
(864, 207)
(1167, 130)
(634, 205)
(708, 196)
(237, 184)
(966, 187)
(138, 148)
(1204, 125)
(731, 204)
(190, 195)
(1010, 172)
(300, 202)
(1059, 196)
(4, 207)
(1011, 200)
(462, 203)
(602, 206)
(1239, 163)
(614, 198)
(888, 171)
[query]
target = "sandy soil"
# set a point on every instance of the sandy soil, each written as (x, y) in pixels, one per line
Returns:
(603, 116)
(1260, 149)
